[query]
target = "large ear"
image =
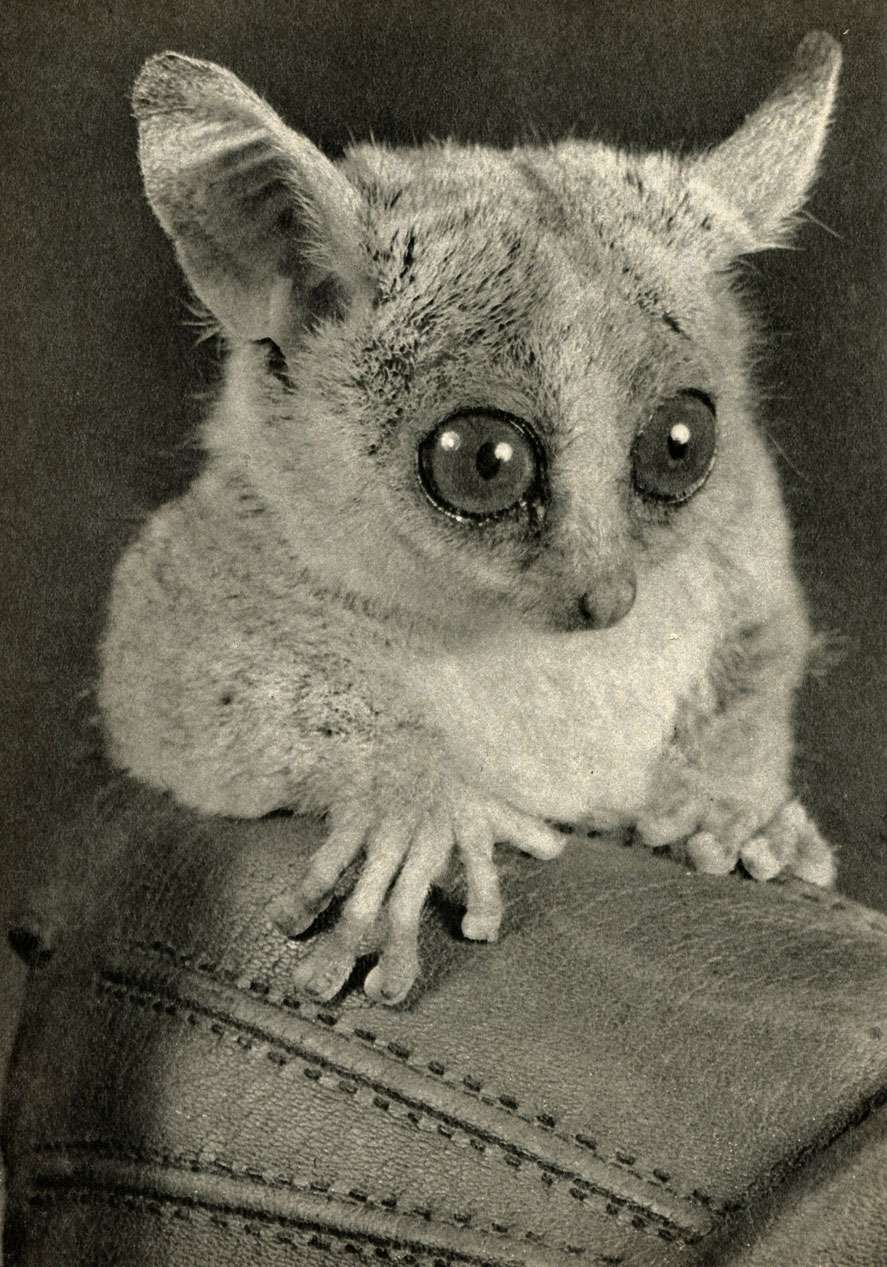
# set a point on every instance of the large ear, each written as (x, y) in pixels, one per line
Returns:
(759, 177)
(265, 227)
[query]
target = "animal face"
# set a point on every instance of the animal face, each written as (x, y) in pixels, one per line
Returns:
(531, 401)
(499, 383)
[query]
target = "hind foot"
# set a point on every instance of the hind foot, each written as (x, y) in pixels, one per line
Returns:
(790, 844)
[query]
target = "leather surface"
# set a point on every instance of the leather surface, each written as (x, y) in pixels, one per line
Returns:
(650, 1067)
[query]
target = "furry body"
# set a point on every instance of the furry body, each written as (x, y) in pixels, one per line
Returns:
(306, 628)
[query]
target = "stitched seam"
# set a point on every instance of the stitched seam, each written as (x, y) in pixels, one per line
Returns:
(285, 1231)
(621, 1159)
(353, 1196)
(371, 1094)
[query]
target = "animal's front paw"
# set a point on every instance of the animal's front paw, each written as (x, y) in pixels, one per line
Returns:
(405, 851)
(790, 843)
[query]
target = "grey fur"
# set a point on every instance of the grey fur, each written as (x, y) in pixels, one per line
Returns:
(304, 628)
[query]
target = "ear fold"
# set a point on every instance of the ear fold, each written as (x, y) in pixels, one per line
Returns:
(265, 227)
(759, 177)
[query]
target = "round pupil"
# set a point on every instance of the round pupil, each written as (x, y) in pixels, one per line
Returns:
(679, 441)
(477, 464)
(491, 457)
(674, 452)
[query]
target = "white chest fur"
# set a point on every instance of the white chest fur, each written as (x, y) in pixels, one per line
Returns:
(569, 726)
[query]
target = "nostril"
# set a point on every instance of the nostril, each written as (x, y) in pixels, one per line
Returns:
(612, 598)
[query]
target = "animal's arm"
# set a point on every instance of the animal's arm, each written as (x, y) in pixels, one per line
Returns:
(241, 694)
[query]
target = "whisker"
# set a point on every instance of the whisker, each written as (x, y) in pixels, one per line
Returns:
(808, 215)
(788, 461)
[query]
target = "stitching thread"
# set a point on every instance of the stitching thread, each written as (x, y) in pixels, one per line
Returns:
(364, 1092)
(619, 1158)
(329, 1191)
(284, 1231)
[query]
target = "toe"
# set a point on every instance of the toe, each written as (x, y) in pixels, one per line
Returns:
(820, 870)
(527, 834)
(326, 967)
(293, 914)
(483, 900)
(814, 860)
(797, 847)
(482, 924)
(390, 980)
(759, 859)
(811, 857)
(655, 831)
(711, 855)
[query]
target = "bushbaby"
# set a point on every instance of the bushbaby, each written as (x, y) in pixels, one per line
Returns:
(486, 537)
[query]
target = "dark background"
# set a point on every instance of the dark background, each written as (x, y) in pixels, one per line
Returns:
(102, 378)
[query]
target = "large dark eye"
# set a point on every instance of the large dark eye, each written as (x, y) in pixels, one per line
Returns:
(477, 465)
(673, 453)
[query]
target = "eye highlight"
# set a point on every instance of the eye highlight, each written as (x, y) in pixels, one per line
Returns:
(674, 451)
(480, 464)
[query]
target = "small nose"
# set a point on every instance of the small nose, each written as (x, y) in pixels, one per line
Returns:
(611, 599)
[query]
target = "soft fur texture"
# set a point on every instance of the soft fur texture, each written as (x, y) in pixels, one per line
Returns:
(306, 628)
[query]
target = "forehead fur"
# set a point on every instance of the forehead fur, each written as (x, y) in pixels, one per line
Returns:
(543, 262)
(555, 185)
(601, 206)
